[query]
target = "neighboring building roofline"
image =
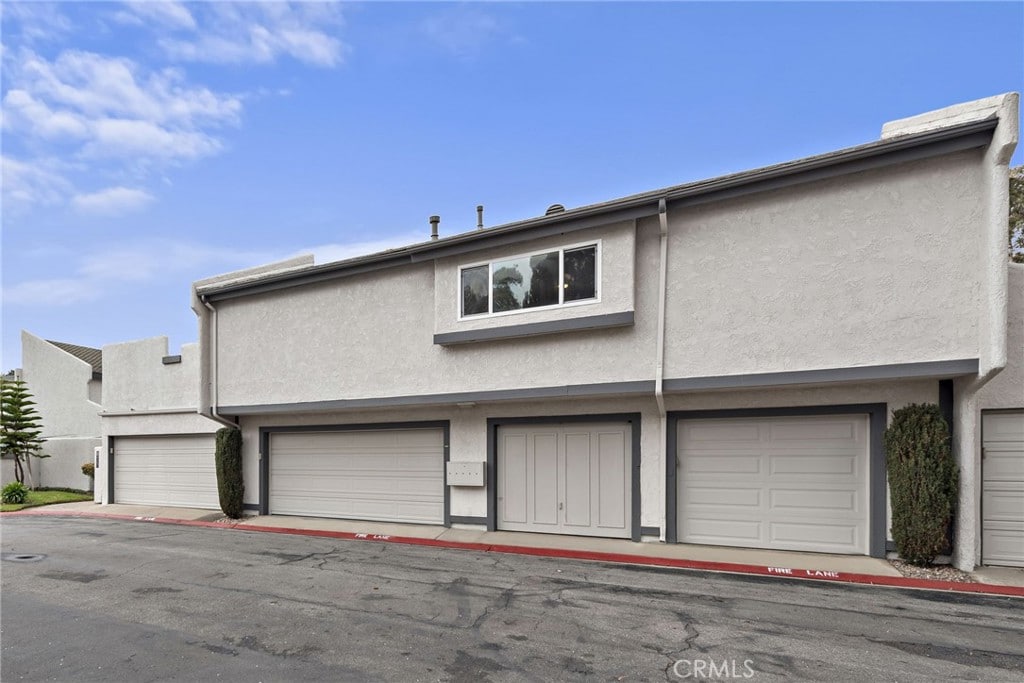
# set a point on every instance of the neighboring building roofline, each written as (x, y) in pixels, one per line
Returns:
(874, 154)
(94, 357)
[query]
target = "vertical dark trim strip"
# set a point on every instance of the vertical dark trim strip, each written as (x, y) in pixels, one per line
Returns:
(264, 464)
(877, 489)
(671, 485)
(110, 469)
(946, 403)
(492, 479)
(633, 419)
(878, 414)
(446, 447)
(635, 498)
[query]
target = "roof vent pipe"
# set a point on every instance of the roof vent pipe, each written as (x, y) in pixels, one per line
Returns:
(479, 216)
(434, 220)
(554, 208)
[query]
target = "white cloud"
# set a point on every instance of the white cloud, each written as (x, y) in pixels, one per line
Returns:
(173, 15)
(112, 201)
(53, 292)
(31, 183)
(245, 33)
(462, 30)
(110, 267)
(34, 22)
(325, 253)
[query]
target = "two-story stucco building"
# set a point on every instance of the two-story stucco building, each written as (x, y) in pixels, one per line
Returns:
(709, 363)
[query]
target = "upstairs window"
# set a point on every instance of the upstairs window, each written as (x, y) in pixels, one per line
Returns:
(543, 279)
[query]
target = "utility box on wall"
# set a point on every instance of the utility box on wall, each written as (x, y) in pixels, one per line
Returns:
(465, 474)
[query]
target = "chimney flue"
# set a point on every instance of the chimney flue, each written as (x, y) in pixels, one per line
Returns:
(479, 216)
(434, 220)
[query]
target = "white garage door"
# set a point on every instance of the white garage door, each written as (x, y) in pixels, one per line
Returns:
(166, 470)
(1002, 503)
(565, 479)
(379, 475)
(788, 483)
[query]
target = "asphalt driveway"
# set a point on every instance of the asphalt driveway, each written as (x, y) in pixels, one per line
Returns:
(93, 599)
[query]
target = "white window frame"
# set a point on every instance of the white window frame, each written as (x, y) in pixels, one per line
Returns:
(561, 280)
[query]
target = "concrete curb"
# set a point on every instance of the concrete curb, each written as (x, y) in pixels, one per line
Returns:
(596, 556)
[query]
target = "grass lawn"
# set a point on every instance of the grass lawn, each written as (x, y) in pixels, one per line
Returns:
(36, 498)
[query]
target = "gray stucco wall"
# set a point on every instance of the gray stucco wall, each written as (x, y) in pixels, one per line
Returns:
(877, 267)
(872, 268)
(60, 385)
(1006, 390)
(136, 378)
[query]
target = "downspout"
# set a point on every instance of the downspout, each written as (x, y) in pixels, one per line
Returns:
(212, 395)
(659, 394)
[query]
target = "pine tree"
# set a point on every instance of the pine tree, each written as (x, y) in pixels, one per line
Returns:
(19, 427)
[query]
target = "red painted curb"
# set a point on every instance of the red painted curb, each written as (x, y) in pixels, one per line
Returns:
(564, 553)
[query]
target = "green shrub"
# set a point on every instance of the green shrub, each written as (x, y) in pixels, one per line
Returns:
(230, 486)
(923, 478)
(88, 469)
(15, 492)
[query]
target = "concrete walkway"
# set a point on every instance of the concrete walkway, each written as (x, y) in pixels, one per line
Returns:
(847, 568)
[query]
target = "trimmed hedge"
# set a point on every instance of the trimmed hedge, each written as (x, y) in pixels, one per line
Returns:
(923, 481)
(230, 486)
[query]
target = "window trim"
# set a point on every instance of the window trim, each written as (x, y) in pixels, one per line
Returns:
(561, 279)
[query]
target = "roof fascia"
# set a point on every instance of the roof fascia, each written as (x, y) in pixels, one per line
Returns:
(866, 157)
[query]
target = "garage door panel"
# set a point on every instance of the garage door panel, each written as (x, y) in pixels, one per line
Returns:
(818, 434)
(718, 436)
(1002, 504)
(176, 471)
(814, 535)
(783, 500)
(801, 486)
(377, 475)
(700, 464)
(742, 532)
(812, 464)
(724, 498)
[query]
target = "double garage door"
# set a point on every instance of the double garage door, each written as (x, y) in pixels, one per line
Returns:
(387, 475)
(1002, 497)
(175, 471)
(786, 483)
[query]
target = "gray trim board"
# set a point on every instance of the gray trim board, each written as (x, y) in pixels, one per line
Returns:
(170, 360)
(650, 531)
(493, 423)
(590, 322)
(460, 519)
(573, 390)
(251, 506)
(264, 441)
(865, 373)
(110, 468)
(877, 413)
(877, 154)
(861, 373)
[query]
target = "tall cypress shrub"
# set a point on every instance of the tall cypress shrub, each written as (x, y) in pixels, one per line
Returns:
(923, 481)
(230, 486)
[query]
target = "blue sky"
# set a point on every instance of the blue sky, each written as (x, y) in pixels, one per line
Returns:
(147, 145)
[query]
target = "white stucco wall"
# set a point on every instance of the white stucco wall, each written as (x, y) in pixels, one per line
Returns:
(142, 396)
(879, 267)
(617, 263)
(60, 386)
